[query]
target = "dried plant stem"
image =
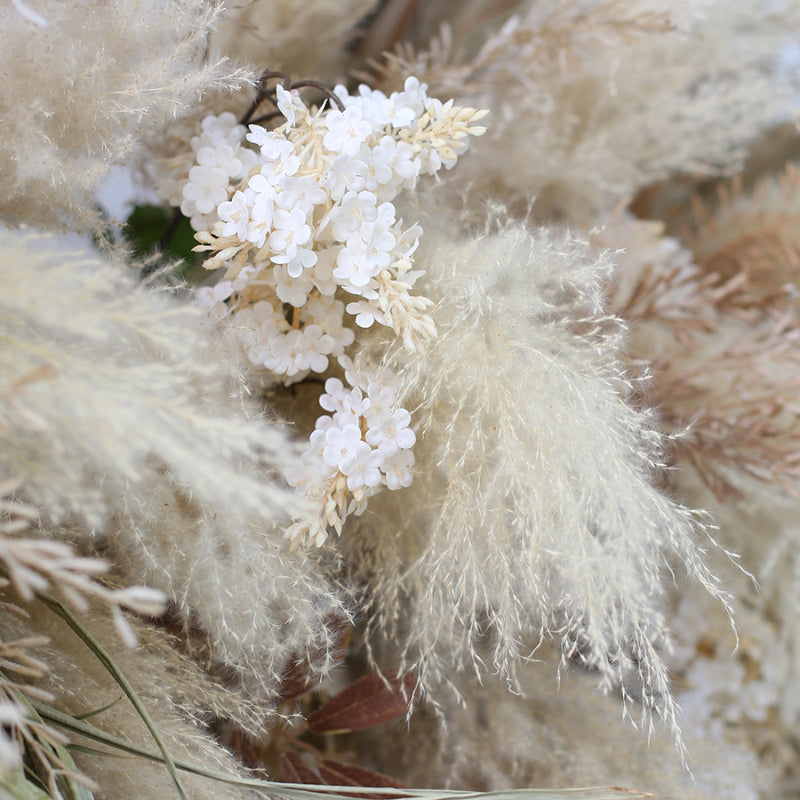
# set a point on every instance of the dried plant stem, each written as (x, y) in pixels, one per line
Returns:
(295, 791)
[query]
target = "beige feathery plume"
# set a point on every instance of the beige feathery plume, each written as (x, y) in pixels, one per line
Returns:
(76, 683)
(535, 509)
(552, 736)
(123, 414)
(80, 91)
(719, 314)
(277, 33)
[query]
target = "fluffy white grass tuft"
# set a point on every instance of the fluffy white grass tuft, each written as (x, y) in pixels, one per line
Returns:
(124, 417)
(535, 510)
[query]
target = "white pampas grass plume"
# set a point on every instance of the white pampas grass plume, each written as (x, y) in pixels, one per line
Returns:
(128, 384)
(79, 93)
(122, 415)
(535, 508)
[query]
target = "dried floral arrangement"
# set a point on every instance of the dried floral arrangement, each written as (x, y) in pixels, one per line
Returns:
(426, 423)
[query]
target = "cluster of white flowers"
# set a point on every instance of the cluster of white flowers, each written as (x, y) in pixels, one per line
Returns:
(363, 446)
(307, 233)
(219, 159)
(748, 685)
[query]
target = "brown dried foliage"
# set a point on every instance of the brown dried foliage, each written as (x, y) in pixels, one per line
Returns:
(742, 407)
(338, 773)
(294, 769)
(739, 398)
(755, 237)
(371, 700)
(302, 751)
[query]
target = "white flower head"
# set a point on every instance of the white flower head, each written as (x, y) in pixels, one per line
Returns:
(287, 104)
(346, 130)
(235, 214)
(206, 189)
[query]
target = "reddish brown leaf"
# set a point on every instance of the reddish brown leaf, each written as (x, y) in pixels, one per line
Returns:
(338, 773)
(294, 770)
(295, 681)
(367, 702)
(241, 744)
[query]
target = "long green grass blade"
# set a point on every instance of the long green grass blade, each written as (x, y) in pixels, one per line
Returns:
(294, 791)
(95, 711)
(57, 607)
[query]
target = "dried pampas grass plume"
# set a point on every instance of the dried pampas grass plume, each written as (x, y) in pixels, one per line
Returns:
(77, 683)
(70, 109)
(555, 737)
(535, 510)
(276, 34)
(592, 101)
(124, 418)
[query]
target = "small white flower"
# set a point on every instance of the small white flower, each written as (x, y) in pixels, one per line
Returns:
(219, 130)
(378, 161)
(382, 402)
(302, 193)
(317, 346)
(333, 399)
(397, 468)
(323, 271)
(366, 314)
(206, 189)
(410, 103)
(290, 230)
(342, 445)
(376, 107)
(267, 181)
(355, 266)
(346, 131)
(303, 259)
(347, 405)
(275, 147)
(223, 156)
(235, 214)
(355, 210)
(259, 223)
(346, 174)
(363, 468)
(286, 104)
(291, 290)
(329, 314)
(392, 433)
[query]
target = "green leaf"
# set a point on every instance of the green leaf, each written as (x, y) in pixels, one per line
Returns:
(16, 785)
(95, 711)
(147, 227)
(70, 787)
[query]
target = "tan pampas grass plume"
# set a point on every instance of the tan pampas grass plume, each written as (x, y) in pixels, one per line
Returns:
(593, 101)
